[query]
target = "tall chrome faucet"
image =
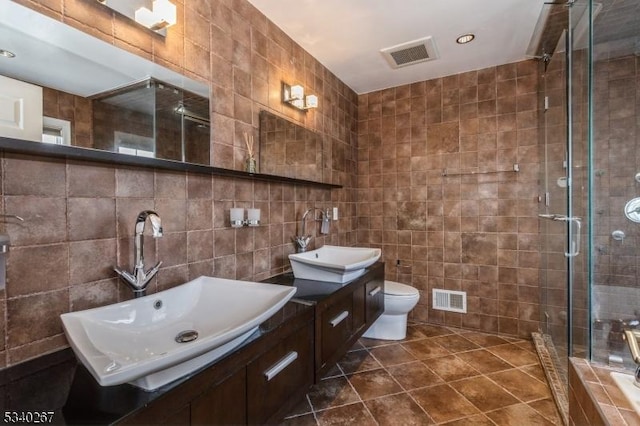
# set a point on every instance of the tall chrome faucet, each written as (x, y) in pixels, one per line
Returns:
(139, 279)
(632, 340)
(302, 241)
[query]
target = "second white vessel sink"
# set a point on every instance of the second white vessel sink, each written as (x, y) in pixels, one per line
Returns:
(333, 263)
(159, 338)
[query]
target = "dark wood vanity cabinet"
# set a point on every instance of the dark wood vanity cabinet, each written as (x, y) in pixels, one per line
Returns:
(279, 377)
(224, 403)
(258, 384)
(336, 326)
(374, 299)
(342, 317)
(264, 380)
(265, 390)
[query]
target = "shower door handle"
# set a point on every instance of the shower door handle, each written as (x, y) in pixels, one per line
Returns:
(553, 216)
(574, 246)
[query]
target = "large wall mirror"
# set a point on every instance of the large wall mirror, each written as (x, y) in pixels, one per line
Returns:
(119, 107)
(96, 95)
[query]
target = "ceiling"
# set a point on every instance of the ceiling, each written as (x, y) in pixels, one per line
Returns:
(346, 36)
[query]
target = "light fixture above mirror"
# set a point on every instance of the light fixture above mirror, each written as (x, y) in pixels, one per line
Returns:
(295, 97)
(157, 15)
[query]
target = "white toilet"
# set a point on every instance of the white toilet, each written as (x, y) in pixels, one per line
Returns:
(399, 299)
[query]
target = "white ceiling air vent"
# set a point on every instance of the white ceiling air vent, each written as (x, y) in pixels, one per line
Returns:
(411, 52)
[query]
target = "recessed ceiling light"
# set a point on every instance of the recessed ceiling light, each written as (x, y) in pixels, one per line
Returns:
(464, 39)
(7, 53)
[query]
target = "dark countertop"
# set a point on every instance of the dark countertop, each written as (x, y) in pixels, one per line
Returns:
(311, 291)
(58, 383)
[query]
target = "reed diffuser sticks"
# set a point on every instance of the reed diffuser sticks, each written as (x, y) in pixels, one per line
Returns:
(248, 140)
(251, 160)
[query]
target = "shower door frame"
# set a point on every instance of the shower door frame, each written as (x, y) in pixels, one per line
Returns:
(572, 227)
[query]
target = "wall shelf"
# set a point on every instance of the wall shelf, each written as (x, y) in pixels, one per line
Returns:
(88, 154)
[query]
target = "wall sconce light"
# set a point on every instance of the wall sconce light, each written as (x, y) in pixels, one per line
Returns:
(294, 96)
(162, 15)
(238, 220)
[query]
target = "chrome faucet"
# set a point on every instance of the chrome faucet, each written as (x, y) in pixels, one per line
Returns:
(302, 241)
(631, 337)
(139, 279)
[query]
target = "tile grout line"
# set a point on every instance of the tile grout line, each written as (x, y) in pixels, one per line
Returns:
(346, 377)
(404, 391)
(313, 412)
(438, 384)
(400, 384)
(481, 374)
(358, 393)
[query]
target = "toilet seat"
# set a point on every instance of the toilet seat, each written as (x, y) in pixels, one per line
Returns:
(393, 288)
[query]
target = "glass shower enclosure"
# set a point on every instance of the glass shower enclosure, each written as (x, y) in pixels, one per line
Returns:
(564, 213)
(590, 182)
(615, 184)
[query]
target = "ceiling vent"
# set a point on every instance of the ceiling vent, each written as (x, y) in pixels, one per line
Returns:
(410, 53)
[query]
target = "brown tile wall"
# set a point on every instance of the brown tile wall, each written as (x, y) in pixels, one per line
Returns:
(617, 160)
(286, 149)
(74, 109)
(472, 232)
(594, 397)
(79, 217)
(93, 123)
(583, 409)
(108, 118)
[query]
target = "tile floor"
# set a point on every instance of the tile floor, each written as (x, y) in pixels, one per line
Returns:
(437, 375)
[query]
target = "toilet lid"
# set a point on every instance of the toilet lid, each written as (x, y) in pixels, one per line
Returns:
(398, 289)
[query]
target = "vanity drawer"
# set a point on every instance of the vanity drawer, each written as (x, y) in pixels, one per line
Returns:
(336, 327)
(223, 404)
(374, 299)
(280, 376)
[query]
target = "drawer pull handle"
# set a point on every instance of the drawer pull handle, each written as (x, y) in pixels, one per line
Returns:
(375, 291)
(337, 320)
(280, 365)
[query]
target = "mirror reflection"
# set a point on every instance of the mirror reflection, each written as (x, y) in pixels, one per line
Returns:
(288, 149)
(92, 94)
(126, 104)
(153, 119)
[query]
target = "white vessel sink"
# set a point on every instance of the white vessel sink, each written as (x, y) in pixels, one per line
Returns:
(626, 384)
(333, 263)
(137, 341)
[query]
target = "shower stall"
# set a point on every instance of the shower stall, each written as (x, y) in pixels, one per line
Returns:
(590, 180)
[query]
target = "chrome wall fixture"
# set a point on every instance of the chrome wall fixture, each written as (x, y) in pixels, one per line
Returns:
(295, 97)
(236, 215)
(632, 210)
